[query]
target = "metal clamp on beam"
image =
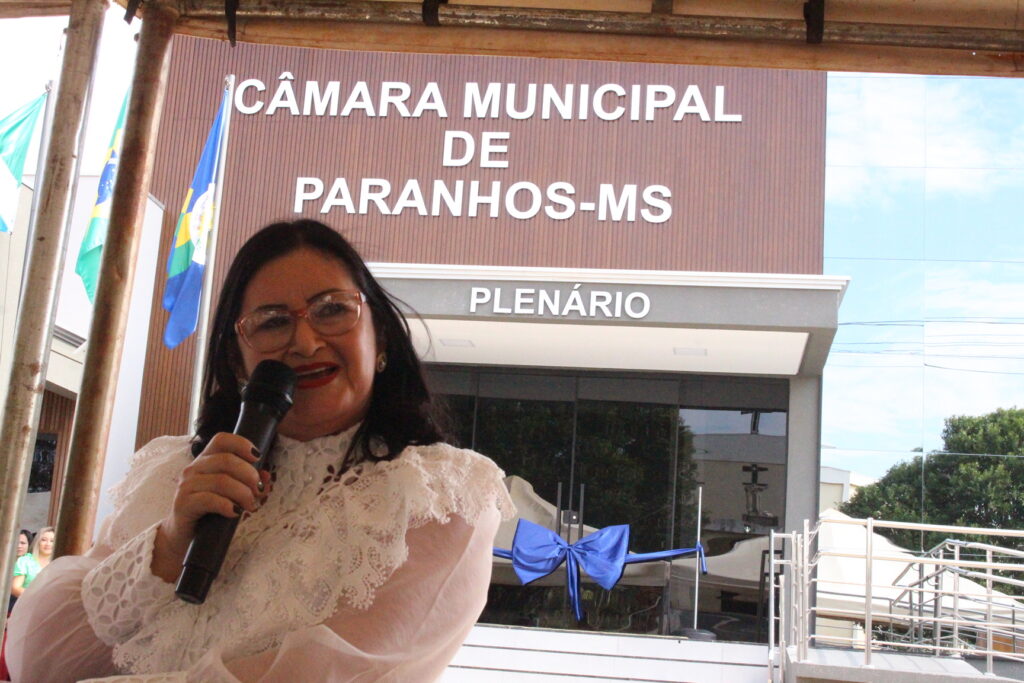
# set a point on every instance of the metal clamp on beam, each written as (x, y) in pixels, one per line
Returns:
(130, 10)
(231, 14)
(814, 17)
(430, 12)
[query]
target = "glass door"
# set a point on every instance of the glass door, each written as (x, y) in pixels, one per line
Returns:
(532, 441)
(629, 471)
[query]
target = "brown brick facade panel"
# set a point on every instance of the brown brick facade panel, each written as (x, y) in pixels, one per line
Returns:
(57, 416)
(745, 196)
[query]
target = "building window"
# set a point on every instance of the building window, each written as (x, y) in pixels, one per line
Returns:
(40, 479)
(624, 450)
(741, 458)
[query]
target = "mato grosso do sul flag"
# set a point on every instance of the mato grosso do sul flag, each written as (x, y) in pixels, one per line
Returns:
(91, 252)
(187, 261)
(16, 131)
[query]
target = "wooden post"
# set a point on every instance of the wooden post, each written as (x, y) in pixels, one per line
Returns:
(84, 472)
(38, 304)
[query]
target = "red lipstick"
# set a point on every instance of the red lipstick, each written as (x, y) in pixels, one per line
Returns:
(315, 375)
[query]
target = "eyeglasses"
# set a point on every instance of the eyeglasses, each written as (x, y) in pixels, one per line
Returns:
(266, 330)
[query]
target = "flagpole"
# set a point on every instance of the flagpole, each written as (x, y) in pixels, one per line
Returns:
(203, 328)
(44, 143)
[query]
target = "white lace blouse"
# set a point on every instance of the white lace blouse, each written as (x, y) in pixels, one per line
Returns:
(374, 574)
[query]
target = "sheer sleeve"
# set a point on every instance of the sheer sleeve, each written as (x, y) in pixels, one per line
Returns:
(415, 627)
(49, 636)
(121, 593)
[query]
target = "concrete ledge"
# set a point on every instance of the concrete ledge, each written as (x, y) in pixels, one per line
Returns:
(509, 654)
(833, 666)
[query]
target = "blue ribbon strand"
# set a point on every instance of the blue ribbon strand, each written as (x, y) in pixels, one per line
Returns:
(538, 551)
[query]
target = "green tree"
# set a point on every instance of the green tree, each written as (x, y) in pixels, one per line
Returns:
(973, 481)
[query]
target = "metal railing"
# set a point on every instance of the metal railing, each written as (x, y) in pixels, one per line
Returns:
(953, 600)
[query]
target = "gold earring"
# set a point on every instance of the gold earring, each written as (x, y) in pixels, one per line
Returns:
(382, 361)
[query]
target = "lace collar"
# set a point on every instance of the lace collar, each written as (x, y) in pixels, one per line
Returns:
(300, 469)
(337, 441)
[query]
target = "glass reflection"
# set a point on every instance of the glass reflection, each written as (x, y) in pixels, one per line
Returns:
(638, 464)
(460, 413)
(623, 456)
(528, 439)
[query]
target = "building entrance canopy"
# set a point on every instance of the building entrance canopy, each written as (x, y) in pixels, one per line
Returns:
(659, 321)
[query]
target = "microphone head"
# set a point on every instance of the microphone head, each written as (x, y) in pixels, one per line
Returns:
(272, 383)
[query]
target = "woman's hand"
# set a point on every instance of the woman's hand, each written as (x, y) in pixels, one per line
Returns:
(221, 480)
(18, 586)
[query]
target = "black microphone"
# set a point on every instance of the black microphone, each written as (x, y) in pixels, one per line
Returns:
(265, 400)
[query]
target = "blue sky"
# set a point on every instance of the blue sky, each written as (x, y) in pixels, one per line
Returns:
(924, 206)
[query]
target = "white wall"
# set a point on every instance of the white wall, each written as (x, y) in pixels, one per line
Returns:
(12, 253)
(74, 314)
(123, 426)
(831, 496)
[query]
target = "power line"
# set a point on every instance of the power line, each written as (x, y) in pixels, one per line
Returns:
(848, 451)
(912, 352)
(985, 372)
(921, 322)
(921, 365)
(928, 343)
(923, 260)
(880, 323)
(974, 334)
(874, 367)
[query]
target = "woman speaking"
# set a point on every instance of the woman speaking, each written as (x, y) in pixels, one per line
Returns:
(362, 554)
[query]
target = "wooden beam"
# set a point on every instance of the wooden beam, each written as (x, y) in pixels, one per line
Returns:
(1004, 14)
(40, 8)
(623, 23)
(560, 45)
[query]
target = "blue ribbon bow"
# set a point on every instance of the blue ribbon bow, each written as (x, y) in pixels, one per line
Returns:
(537, 551)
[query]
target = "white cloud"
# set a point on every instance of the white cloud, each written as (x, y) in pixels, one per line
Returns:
(877, 185)
(876, 121)
(965, 131)
(937, 123)
(992, 290)
(959, 392)
(975, 182)
(872, 407)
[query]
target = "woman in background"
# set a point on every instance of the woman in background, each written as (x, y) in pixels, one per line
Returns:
(24, 540)
(31, 563)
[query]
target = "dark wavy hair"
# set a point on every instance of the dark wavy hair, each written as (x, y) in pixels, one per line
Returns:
(402, 411)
